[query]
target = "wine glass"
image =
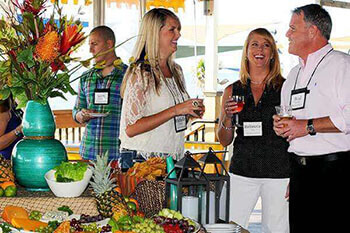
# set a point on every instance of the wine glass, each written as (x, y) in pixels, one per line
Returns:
(239, 99)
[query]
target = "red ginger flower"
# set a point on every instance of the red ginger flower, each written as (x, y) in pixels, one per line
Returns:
(57, 65)
(33, 6)
(71, 37)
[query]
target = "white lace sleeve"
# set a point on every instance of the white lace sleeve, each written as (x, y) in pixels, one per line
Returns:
(135, 97)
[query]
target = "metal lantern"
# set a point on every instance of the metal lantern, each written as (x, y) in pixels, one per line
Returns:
(189, 179)
(218, 178)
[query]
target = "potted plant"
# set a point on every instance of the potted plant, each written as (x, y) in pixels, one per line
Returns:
(34, 54)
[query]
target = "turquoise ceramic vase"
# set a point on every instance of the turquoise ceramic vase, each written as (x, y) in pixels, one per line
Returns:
(38, 152)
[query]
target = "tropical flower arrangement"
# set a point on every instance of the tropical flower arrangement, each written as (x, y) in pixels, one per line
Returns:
(35, 52)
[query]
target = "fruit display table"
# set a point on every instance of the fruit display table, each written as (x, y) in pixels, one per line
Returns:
(47, 201)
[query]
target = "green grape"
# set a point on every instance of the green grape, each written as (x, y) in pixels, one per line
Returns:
(35, 215)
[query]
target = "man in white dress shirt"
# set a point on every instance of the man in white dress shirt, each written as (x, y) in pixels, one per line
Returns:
(318, 89)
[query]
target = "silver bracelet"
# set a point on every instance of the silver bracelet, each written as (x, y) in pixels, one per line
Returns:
(227, 128)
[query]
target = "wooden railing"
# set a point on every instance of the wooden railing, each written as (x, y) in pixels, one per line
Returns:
(199, 130)
(195, 134)
(68, 132)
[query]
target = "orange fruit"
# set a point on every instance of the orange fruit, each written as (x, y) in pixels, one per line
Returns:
(27, 224)
(11, 212)
(6, 184)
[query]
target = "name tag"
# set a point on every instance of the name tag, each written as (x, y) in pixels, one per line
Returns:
(180, 123)
(252, 129)
(101, 97)
(298, 98)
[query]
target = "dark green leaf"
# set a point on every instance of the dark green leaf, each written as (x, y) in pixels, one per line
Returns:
(54, 94)
(26, 56)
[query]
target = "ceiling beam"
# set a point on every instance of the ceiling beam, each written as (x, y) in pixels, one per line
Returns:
(340, 4)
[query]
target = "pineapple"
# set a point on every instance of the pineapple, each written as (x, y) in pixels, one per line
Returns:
(108, 200)
(6, 173)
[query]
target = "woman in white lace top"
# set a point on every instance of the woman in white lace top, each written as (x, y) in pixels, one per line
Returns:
(156, 106)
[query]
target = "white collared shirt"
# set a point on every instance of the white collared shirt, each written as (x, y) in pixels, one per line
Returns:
(329, 96)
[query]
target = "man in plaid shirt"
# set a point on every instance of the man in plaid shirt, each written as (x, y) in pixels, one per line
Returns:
(98, 104)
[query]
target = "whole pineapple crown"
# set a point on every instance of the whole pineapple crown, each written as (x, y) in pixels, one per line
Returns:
(101, 175)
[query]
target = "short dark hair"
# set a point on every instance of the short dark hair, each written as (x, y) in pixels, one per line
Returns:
(318, 16)
(104, 32)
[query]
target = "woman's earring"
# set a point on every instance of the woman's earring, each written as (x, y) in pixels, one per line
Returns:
(272, 60)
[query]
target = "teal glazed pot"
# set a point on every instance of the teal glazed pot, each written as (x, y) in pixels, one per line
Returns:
(38, 152)
(38, 120)
(31, 159)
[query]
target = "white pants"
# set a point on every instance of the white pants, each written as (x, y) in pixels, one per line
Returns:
(244, 195)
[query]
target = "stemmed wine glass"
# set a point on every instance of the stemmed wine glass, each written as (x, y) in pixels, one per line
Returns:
(239, 99)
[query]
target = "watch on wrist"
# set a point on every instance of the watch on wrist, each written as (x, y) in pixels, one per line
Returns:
(18, 132)
(310, 127)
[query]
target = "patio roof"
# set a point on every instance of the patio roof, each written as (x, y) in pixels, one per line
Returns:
(176, 5)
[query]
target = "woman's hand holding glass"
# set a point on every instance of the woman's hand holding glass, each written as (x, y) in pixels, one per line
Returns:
(193, 107)
(234, 105)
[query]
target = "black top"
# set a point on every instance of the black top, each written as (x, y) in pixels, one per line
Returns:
(259, 156)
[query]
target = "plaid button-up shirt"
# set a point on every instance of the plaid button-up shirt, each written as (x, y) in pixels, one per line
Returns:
(101, 133)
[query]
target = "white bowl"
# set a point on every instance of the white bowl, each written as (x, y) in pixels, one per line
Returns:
(67, 189)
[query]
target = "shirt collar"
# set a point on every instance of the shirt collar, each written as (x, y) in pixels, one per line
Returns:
(316, 56)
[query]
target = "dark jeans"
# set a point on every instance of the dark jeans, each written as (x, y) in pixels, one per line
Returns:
(319, 195)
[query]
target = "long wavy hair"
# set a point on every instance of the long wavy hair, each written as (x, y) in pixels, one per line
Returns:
(148, 44)
(274, 78)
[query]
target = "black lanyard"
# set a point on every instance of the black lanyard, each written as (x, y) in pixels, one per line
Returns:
(99, 82)
(101, 95)
(296, 80)
(173, 94)
(180, 122)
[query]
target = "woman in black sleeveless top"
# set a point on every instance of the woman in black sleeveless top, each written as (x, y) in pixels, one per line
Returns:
(260, 163)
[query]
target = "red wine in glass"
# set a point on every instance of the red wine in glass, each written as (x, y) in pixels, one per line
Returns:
(240, 104)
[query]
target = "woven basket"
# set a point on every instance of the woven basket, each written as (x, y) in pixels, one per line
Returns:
(151, 196)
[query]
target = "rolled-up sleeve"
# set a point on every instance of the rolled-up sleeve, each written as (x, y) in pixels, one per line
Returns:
(80, 101)
(341, 118)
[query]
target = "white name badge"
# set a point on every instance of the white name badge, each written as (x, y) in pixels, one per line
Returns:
(252, 129)
(101, 98)
(180, 123)
(298, 98)
(298, 101)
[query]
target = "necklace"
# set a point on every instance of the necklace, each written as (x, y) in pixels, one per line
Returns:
(257, 83)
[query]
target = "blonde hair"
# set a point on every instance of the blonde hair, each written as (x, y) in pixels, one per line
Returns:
(274, 77)
(148, 44)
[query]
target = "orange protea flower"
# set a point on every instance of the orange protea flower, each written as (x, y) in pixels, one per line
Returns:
(48, 46)
(72, 36)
